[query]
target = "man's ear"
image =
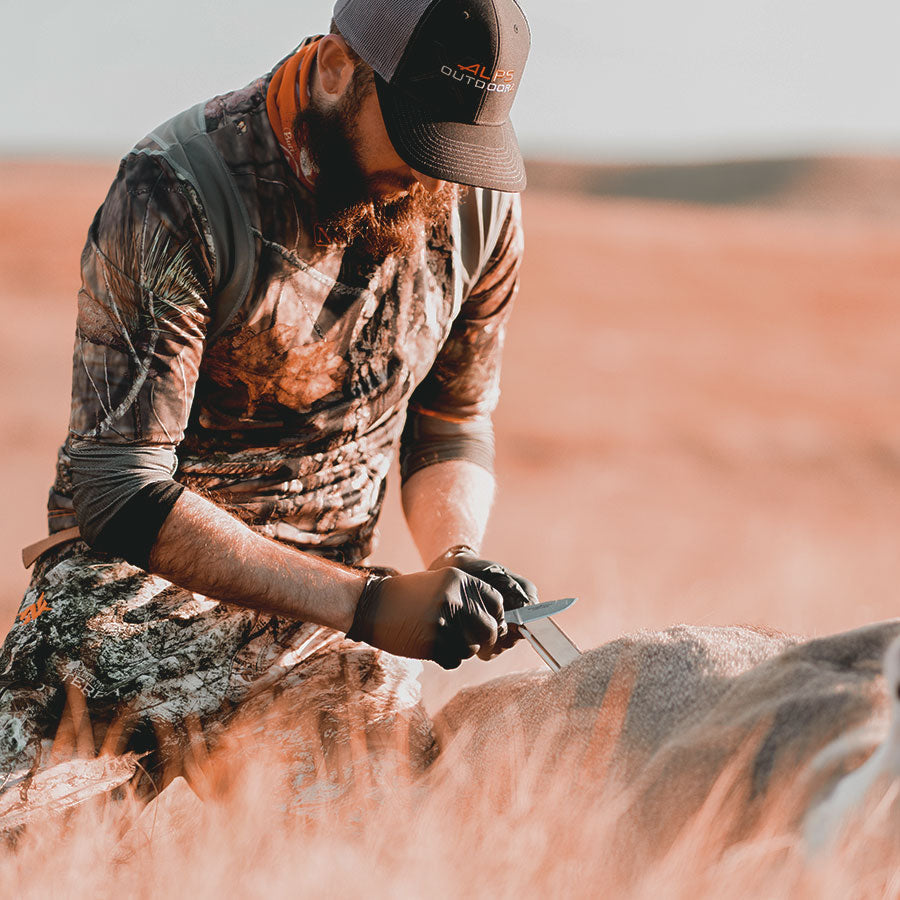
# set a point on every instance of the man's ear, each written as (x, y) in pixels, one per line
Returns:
(334, 67)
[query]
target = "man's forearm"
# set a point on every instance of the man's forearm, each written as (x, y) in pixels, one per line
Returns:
(448, 503)
(202, 548)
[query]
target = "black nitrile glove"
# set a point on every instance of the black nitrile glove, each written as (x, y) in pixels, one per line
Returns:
(515, 590)
(445, 616)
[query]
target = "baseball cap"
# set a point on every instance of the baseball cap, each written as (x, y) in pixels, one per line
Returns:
(446, 73)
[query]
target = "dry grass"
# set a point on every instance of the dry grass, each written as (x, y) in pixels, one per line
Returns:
(542, 826)
(698, 424)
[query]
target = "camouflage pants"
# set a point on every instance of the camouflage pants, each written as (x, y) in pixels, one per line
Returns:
(153, 659)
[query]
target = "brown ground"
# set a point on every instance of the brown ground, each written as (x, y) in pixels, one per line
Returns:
(699, 423)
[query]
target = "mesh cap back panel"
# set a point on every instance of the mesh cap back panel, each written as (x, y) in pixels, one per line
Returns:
(379, 30)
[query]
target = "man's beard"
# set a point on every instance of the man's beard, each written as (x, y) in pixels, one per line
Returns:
(348, 207)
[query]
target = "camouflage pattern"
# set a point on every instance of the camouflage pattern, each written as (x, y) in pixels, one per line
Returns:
(290, 419)
(151, 661)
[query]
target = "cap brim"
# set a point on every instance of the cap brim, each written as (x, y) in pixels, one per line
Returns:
(485, 156)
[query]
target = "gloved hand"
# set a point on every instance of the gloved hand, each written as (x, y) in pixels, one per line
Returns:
(515, 590)
(446, 616)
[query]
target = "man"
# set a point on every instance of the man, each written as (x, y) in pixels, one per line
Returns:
(363, 323)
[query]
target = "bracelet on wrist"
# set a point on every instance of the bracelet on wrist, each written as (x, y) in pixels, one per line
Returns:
(454, 551)
(458, 549)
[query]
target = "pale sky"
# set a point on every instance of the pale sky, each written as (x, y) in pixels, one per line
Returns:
(637, 80)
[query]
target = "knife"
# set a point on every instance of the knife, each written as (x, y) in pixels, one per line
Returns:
(550, 642)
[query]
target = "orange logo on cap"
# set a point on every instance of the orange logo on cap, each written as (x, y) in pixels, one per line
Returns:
(500, 82)
(482, 73)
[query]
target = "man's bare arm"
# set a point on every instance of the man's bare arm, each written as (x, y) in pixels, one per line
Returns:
(448, 503)
(202, 548)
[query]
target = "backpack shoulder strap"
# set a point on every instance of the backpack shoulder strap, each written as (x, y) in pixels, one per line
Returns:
(185, 144)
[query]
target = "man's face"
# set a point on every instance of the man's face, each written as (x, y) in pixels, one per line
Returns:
(365, 193)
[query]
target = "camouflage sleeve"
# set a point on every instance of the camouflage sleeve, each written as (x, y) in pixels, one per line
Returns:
(143, 311)
(450, 411)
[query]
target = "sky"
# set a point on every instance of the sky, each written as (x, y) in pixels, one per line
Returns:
(634, 81)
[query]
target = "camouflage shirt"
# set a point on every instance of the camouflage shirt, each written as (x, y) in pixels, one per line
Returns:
(291, 417)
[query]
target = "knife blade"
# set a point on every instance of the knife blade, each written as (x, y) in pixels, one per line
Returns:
(528, 613)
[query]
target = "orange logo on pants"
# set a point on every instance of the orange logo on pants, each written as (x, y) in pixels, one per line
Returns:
(33, 610)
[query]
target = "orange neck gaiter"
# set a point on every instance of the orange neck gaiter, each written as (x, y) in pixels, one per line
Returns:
(288, 94)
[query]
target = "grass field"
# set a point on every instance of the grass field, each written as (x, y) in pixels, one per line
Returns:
(700, 422)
